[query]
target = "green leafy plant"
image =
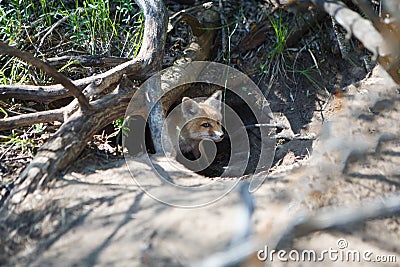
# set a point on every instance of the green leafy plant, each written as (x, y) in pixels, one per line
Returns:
(120, 129)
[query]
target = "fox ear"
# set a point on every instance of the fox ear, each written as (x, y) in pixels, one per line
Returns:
(189, 107)
(215, 100)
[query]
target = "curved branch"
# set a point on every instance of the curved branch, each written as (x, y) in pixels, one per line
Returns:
(50, 70)
(49, 31)
(137, 69)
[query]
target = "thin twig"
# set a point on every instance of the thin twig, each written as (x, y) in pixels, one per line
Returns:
(5, 152)
(268, 125)
(51, 29)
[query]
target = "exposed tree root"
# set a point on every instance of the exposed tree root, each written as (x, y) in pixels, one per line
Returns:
(80, 125)
(69, 141)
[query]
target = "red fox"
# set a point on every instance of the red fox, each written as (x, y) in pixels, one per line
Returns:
(196, 121)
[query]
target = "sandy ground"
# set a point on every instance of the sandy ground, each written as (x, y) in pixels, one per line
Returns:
(95, 214)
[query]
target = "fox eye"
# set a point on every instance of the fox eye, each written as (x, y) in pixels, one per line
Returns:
(206, 125)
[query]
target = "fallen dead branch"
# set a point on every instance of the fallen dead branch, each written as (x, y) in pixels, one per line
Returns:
(58, 77)
(32, 118)
(41, 94)
(86, 61)
(68, 142)
(379, 37)
(79, 125)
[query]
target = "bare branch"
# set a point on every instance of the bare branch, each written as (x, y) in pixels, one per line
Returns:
(42, 94)
(58, 77)
(177, 17)
(86, 61)
(32, 118)
(354, 24)
(136, 69)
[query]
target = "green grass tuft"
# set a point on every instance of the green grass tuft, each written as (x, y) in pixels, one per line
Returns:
(92, 27)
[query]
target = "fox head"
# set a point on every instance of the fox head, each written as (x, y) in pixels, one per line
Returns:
(203, 120)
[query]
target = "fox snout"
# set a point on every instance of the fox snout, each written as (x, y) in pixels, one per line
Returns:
(211, 130)
(217, 136)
